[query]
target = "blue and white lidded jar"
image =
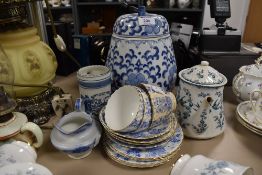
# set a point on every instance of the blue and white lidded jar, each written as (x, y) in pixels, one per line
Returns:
(94, 86)
(200, 109)
(141, 51)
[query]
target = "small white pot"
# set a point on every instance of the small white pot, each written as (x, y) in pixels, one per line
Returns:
(200, 164)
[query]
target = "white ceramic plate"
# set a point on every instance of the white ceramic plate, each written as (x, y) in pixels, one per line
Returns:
(24, 169)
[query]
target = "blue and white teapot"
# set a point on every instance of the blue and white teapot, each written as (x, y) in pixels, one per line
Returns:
(141, 51)
(200, 109)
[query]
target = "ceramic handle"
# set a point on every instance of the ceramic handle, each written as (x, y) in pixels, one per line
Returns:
(37, 132)
(237, 82)
(251, 99)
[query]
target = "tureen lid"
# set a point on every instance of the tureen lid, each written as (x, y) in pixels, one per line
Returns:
(253, 69)
(203, 75)
(141, 24)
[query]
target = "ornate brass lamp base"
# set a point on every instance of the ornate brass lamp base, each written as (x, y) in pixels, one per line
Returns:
(38, 108)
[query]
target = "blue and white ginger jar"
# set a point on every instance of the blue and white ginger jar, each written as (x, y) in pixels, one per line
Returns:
(200, 109)
(141, 51)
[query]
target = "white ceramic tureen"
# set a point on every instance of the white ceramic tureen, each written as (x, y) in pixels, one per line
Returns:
(200, 101)
(247, 80)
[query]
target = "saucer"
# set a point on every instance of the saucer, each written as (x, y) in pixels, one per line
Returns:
(244, 111)
(136, 163)
(152, 153)
(247, 125)
(13, 127)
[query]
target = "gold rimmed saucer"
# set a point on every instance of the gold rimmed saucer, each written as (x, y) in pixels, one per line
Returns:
(149, 154)
(137, 164)
(248, 126)
(144, 142)
(249, 121)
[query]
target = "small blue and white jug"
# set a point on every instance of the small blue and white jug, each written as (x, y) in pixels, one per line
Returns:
(141, 51)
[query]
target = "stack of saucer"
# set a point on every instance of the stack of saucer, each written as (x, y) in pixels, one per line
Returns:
(148, 142)
(246, 116)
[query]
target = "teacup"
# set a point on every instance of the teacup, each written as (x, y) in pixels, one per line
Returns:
(257, 106)
(125, 109)
(94, 86)
(200, 164)
(19, 128)
(163, 103)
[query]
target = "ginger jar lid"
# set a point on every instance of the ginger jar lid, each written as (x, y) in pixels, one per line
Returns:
(203, 75)
(141, 24)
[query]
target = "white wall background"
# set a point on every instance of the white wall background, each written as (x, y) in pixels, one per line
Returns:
(239, 11)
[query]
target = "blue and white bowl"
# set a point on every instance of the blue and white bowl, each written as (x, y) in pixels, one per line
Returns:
(75, 135)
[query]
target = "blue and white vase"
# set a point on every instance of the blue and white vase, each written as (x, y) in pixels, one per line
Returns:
(95, 87)
(200, 109)
(141, 51)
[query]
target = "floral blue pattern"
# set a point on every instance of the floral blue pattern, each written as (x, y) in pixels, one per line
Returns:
(134, 79)
(94, 103)
(161, 150)
(215, 168)
(195, 114)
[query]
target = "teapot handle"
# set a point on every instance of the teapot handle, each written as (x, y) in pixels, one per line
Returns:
(237, 82)
(37, 132)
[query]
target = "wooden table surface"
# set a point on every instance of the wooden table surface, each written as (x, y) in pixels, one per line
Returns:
(236, 144)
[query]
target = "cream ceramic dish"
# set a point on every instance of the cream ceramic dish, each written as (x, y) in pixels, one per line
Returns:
(21, 124)
(124, 110)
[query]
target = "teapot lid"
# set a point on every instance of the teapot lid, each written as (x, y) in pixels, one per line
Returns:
(141, 24)
(203, 75)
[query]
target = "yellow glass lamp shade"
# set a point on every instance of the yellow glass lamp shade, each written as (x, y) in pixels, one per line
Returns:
(32, 60)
